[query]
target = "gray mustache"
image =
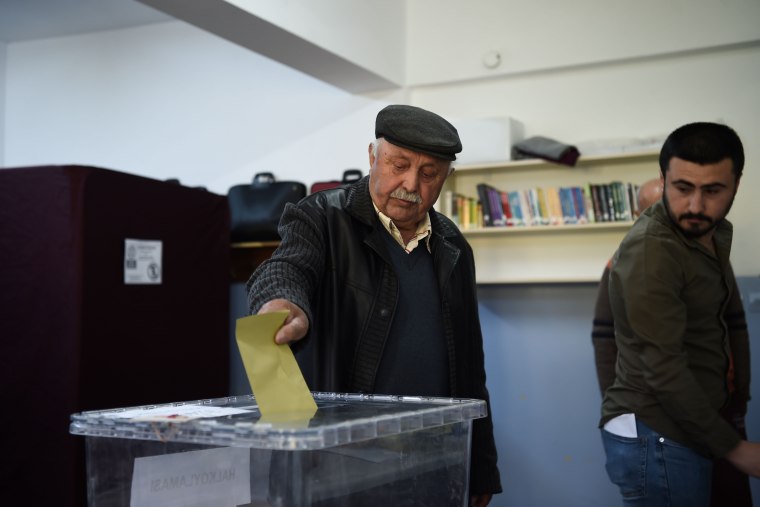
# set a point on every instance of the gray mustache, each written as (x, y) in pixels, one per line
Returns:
(406, 196)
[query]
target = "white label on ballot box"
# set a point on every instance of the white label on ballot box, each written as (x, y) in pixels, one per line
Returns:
(172, 413)
(212, 477)
(142, 262)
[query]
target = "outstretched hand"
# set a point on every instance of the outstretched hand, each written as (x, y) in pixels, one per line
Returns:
(296, 324)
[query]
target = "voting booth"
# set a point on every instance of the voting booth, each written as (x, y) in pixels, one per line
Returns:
(114, 292)
(355, 450)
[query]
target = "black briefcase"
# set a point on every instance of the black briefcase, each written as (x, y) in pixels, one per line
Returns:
(255, 209)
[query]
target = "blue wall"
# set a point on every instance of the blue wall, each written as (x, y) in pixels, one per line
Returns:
(544, 393)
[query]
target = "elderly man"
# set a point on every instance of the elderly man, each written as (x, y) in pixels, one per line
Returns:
(380, 288)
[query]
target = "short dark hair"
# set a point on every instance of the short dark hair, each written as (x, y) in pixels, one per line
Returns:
(703, 143)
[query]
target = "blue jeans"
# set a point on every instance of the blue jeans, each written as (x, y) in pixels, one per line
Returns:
(654, 471)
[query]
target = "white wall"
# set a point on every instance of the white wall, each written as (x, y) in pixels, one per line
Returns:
(447, 39)
(630, 100)
(169, 100)
(599, 70)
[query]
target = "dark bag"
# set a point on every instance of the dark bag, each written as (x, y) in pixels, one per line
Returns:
(255, 209)
(547, 149)
(349, 176)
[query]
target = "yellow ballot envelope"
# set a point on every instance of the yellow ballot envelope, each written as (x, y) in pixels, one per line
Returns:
(276, 380)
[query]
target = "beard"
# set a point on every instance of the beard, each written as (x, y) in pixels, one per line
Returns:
(696, 230)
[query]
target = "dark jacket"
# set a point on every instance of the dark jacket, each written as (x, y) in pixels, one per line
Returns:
(669, 296)
(603, 334)
(333, 263)
(605, 348)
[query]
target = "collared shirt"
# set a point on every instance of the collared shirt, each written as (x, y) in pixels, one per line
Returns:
(424, 230)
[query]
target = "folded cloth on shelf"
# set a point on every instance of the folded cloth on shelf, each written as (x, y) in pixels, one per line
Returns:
(547, 149)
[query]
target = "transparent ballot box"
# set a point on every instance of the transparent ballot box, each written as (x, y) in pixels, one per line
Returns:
(356, 450)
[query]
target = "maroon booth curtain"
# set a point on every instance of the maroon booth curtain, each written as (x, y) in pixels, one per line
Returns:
(74, 336)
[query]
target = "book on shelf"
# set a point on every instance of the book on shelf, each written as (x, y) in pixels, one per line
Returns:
(508, 216)
(588, 200)
(554, 206)
(610, 193)
(543, 207)
(617, 202)
(455, 209)
(622, 204)
(567, 205)
(601, 214)
(593, 201)
(498, 218)
(458, 212)
(621, 200)
(464, 211)
(516, 206)
(494, 212)
(462, 204)
(579, 201)
(470, 212)
(538, 206)
(482, 190)
(446, 203)
(529, 211)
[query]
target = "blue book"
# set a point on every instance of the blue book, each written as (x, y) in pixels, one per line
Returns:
(569, 215)
(580, 205)
(497, 211)
(514, 205)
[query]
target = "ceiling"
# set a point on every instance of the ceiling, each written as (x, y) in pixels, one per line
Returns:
(22, 20)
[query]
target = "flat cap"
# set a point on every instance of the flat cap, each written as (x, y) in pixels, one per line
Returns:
(416, 129)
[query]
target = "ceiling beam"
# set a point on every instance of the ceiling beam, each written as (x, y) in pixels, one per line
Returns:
(265, 38)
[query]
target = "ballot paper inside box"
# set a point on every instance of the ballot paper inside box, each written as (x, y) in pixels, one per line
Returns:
(355, 450)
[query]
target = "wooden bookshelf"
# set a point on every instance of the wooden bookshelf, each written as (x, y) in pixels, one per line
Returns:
(568, 253)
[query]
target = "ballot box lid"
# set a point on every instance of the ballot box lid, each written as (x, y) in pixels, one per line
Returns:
(341, 418)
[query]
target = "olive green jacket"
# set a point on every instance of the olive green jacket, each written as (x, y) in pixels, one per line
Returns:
(669, 295)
